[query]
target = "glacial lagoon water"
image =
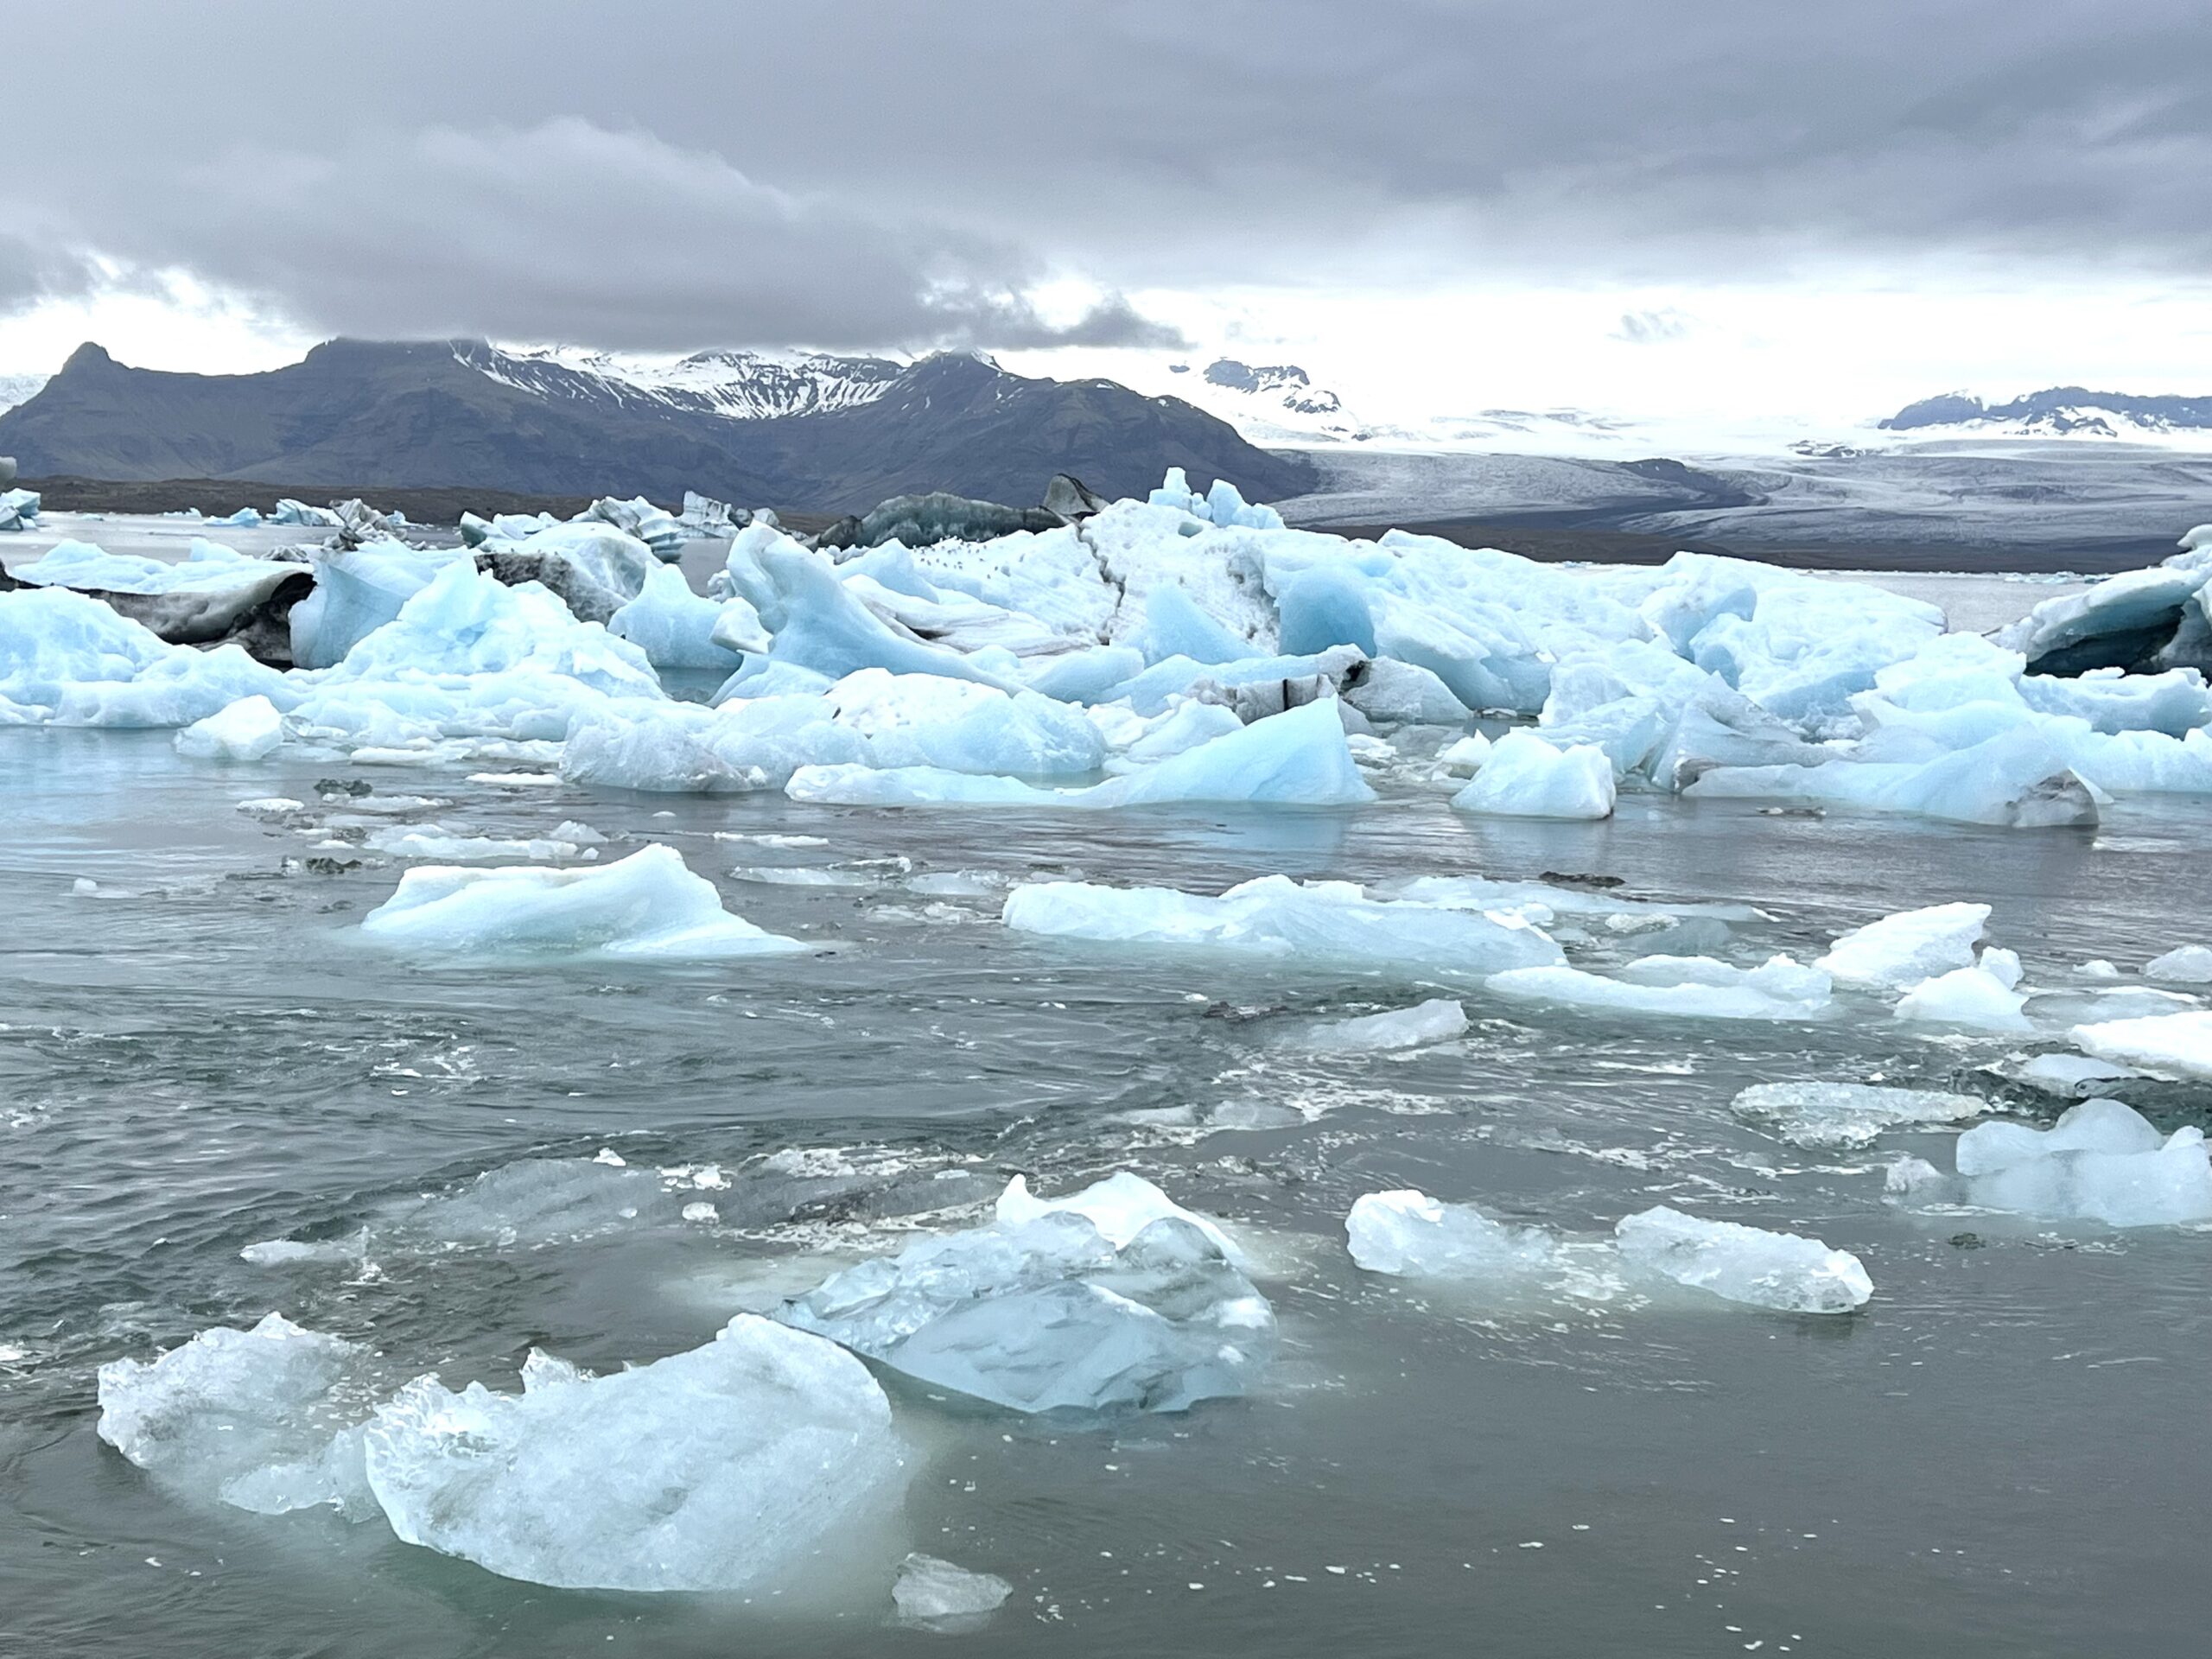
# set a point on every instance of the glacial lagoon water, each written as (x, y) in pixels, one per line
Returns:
(2001, 1454)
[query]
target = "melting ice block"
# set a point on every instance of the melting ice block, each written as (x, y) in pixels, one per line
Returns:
(1784, 1271)
(1899, 951)
(1437, 1021)
(1058, 1308)
(724, 1467)
(2167, 1044)
(265, 1420)
(1410, 1233)
(1688, 987)
(932, 1593)
(1319, 922)
(1848, 1113)
(648, 904)
(1974, 997)
(245, 730)
(2101, 1161)
(1524, 776)
(2187, 964)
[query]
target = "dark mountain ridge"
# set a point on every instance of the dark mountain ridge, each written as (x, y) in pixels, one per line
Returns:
(433, 414)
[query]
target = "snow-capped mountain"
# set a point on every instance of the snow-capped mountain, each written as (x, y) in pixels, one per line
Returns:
(739, 385)
(2061, 412)
(1273, 402)
(19, 389)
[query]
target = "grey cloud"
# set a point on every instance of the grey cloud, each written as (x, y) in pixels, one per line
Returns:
(821, 172)
(30, 272)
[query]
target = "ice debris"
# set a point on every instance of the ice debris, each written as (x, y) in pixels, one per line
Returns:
(1845, 1115)
(2187, 964)
(1525, 777)
(937, 1595)
(1406, 1232)
(647, 905)
(1784, 1271)
(1685, 986)
(1899, 951)
(245, 730)
(2101, 1161)
(2164, 1045)
(1437, 1021)
(1113, 1299)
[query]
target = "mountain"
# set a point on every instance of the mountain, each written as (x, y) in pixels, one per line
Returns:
(1274, 402)
(822, 434)
(2057, 412)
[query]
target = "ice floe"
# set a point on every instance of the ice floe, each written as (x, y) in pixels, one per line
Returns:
(1849, 1114)
(2101, 1161)
(647, 905)
(1408, 1233)
(1784, 1271)
(2166, 1044)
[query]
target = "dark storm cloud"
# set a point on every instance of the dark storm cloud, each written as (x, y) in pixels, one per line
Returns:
(883, 172)
(30, 272)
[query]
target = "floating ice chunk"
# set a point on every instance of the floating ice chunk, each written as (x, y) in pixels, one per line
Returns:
(1687, 986)
(1395, 692)
(431, 841)
(270, 806)
(2187, 964)
(2101, 1161)
(673, 625)
(263, 1420)
(1966, 997)
(1295, 759)
(537, 1201)
(1322, 922)
(210, 567)
(357, 591)
(2073, 1075)
(2017, 779)
(1899, 951)
(71, 660)
(2168, 1045)
(648, 904)
(1437, 1021)
(245, 730)
(1784, 1271)
(726, 1467)
(1848, 1113)
(2002, 965)
(1465, 757)
(1043, 1311)
(1525, 777)
(1410, 1233)
(1120, 1206)
(936, 1594)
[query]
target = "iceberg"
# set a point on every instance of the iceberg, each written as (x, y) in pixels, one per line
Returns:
(673, 625)
(2164, 1045)
(1408, 1233)
(1784, 1271)
(2017, 779)
(2100, 1161)
(2186, 964)
(1849, 1114)
(1111, 1301)
(69, 660)
(263, 1420)
(1525, 777)
(935, 1593)
(647, 907)
(1697, 988)
(1974, 997)
(1437, 1021)
(727, 1467)
(245, 730)
(1899, 951)
(1322, 923)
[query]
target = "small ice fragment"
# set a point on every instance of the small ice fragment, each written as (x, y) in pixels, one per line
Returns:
(1437, 1021)
(1406, 1232)
(272, 805)
(1972, 997)
(245, 730)
(2166, 1044)
(1848, 1113)
(1901, 950)
(2188, 965)
(2074, 1075)
(1784, 1271)
(2100, 1161)
(932, 1593)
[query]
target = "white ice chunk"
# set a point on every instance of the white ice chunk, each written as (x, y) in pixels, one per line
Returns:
(245, 730)
(1525, 777)
(723, 1468)
(2101, 1161)
(930, 1592)
(1319, 922)
(1784, 1271)
(1437, 1021)
(1686, 987)
(2167, 1045)
(1972, 997)
(2072, 1074)
(1848, 1113)
(648, 904)
(1899, 951)
(2187, 964)
(1406, 1232)
(1044, 1309)
(263, 1420)
(1395, 692)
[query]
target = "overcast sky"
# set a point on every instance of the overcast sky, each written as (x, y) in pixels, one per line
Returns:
(1755, 206)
